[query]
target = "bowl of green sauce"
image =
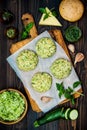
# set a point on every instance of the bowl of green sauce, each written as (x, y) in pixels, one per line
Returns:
(73, 33)
(13, 106)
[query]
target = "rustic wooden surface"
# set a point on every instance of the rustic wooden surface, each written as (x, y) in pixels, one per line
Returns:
(8, 78)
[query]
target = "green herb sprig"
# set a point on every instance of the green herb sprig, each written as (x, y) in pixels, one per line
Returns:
(68, 93)
(47, 14)
(26, 30)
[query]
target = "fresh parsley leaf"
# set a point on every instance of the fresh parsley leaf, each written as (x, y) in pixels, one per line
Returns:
(60, 94)
(59, 86)
(75, 85)
(72, 100)
(68, 93)
(24, 35)
(61, 89)
(70, 90)
(29, 26)
(42, 10)
(69, 96)
(54, 13)
(26, 30)
(46, 16)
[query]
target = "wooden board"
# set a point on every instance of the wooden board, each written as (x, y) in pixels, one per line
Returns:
(8, 78)
(57, 35)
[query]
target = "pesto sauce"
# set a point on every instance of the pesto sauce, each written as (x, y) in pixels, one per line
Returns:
(73, 33)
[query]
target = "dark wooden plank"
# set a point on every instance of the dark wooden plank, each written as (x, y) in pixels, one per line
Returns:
(8, 77)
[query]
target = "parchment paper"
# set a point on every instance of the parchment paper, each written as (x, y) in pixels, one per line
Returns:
(43, 66)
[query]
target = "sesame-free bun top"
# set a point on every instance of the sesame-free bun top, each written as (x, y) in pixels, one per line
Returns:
(71, 10)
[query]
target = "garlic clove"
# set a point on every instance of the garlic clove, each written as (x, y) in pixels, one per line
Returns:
(46, 99)
(71, 47)
(79, 57)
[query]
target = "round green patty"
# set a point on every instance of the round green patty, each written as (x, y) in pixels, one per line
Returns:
(41, 82)
(45, 47)
(61, 68)
(27, 60)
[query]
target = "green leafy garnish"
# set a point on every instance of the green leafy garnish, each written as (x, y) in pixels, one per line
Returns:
(24, 35)
(68, 93)
(26, 30)
(76, 84)
(70, 90)
(47, 14)
(29, 26)
(54, 13)
(42, 10)
(60, 87)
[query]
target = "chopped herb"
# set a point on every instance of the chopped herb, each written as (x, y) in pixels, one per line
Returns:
(68, 93)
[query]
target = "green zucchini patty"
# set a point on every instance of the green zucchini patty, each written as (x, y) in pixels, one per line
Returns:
(27, 60)
(61, 68)
(41, 82)
(45, 47)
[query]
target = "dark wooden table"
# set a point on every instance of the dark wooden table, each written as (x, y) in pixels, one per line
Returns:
(8, 78)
